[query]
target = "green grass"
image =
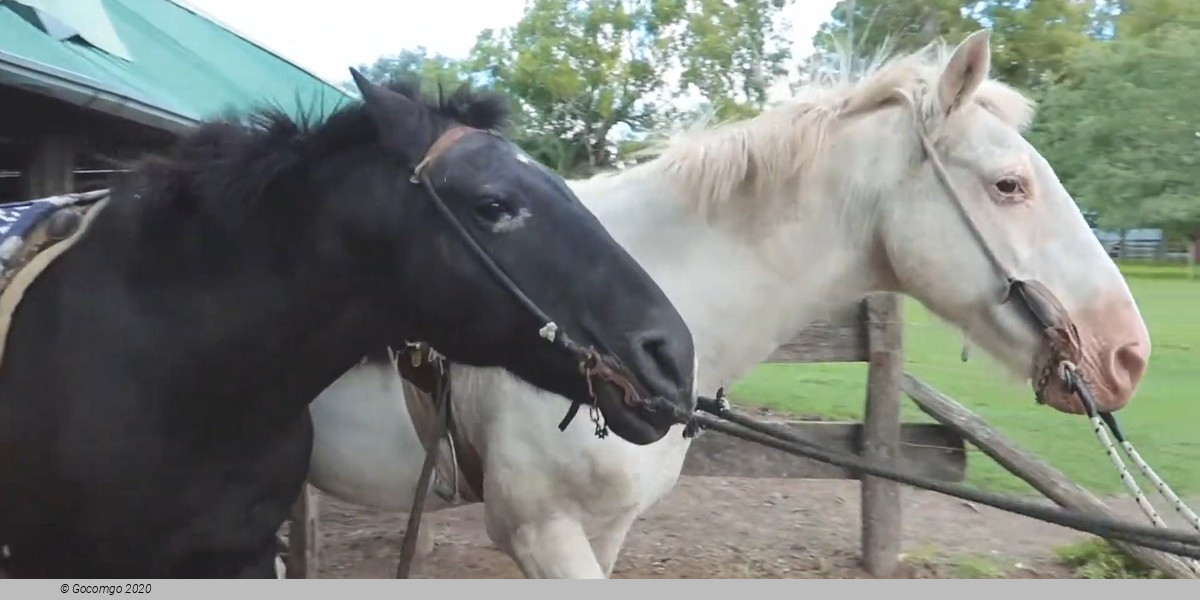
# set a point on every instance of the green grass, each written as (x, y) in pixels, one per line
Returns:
(1098, 559)
(1163, 421)
(1157, 270)
(966, 566)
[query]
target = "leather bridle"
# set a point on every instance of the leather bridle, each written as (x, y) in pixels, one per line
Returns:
(1062, 350)
(592, 364)
(549, 330)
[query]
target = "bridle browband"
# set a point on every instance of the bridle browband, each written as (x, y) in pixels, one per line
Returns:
(591, 363)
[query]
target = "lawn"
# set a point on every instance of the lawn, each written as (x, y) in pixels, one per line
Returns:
(1163, 421)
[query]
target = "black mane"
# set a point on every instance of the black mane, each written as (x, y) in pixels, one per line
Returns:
(231, 161)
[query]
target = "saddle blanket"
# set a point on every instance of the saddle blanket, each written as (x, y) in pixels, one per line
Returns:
(20, 221)
(32, 234)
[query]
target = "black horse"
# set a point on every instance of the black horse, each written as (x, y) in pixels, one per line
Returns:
(154, 389)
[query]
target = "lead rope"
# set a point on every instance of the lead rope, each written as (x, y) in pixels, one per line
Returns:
(1099, 420)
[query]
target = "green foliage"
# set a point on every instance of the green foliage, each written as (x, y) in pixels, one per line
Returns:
(1098, 559)
(1123, 129)
(580, 71)
(1034, 39)
(1141, 17)
(1031, 39)
(416, 63)
(732, 52)
(902, 25)
(1115, 80)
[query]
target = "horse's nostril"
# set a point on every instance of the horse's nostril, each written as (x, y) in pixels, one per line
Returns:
(656, 358)
(1127, 365)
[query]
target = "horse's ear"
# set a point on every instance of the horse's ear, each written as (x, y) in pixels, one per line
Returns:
(398, 119)
(967, 68)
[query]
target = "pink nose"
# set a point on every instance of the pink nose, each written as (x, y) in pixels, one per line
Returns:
(1123, 365)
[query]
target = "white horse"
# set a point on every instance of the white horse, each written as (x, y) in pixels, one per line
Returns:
(755, 229)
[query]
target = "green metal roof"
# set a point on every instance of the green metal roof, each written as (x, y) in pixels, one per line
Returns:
(182, 67)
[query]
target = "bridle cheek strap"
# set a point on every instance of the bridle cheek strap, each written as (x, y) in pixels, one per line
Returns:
(1043, 306)
(549, 330)
(589, 360)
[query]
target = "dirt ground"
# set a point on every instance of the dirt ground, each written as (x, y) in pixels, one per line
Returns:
(718, 527)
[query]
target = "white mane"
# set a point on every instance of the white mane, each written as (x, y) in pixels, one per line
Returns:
(758, 157)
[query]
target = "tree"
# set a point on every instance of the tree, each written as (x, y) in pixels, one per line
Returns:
(1034, 39)
(1123, 130)
(1139, 17)
(732, 52)
(863, 26)
(579, 71)
(1031, 39)
(416, 63)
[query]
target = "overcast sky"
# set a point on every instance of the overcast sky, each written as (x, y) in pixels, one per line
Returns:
(329, 37)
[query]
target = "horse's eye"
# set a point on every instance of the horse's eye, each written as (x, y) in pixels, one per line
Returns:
(492, 210)
(1009, 186)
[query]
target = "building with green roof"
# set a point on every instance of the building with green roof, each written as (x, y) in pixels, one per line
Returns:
(83, 82)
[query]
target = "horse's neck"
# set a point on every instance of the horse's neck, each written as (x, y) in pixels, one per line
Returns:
(738, 306)
(284, 325)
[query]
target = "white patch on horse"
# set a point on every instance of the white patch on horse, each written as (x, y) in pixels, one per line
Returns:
(524, 158)
(510, 223)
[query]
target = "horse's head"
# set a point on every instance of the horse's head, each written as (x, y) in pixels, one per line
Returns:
(486, 247)
(991, 176)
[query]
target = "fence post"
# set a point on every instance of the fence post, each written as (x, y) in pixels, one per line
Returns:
(51, 168)
(881, 519)
(304, 536)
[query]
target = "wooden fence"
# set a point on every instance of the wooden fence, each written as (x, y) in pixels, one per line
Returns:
(870, 331)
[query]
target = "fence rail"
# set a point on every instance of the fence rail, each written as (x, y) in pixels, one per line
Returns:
(871, 332)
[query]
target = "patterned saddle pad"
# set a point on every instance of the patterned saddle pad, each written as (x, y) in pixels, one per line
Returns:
(23, 221)
(32, 234)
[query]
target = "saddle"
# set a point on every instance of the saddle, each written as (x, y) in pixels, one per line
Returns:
(32, 235)
(458, 469)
